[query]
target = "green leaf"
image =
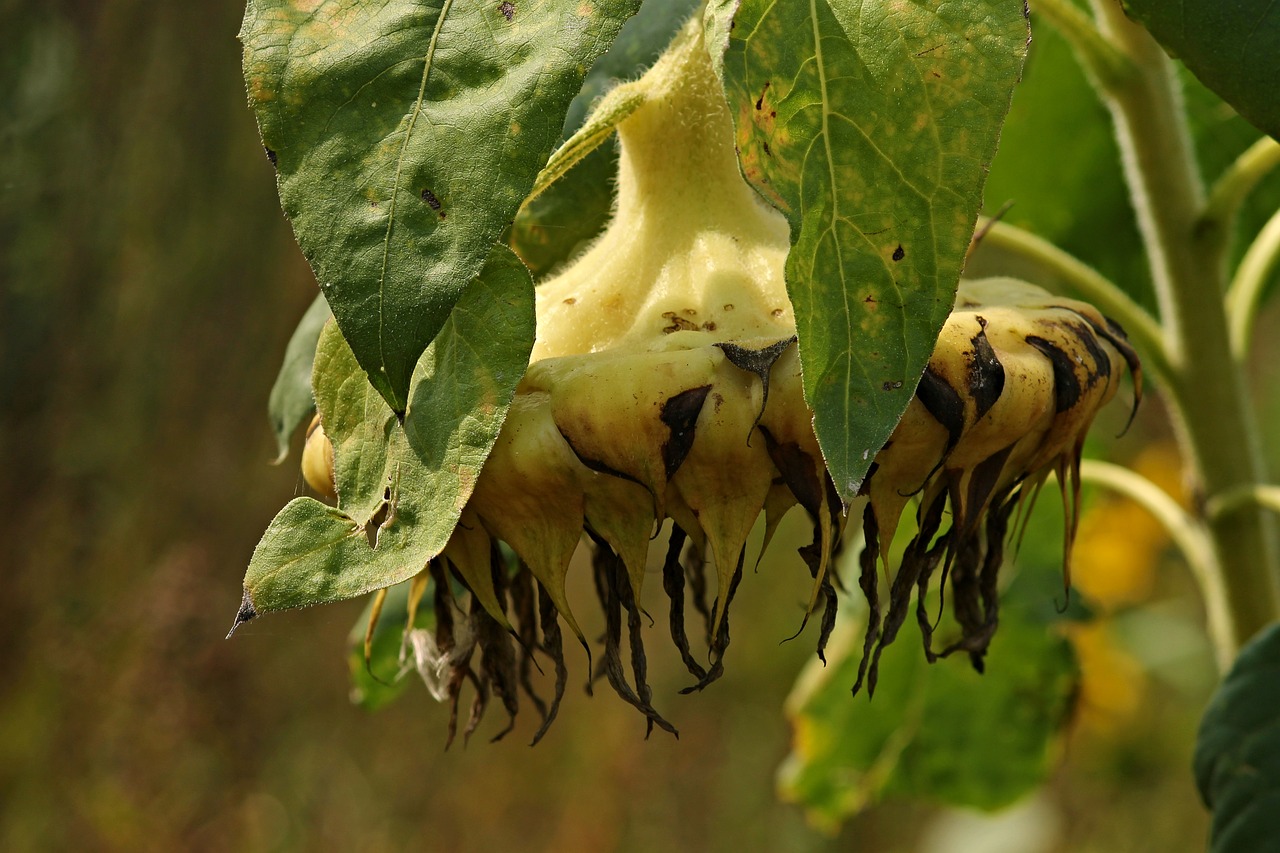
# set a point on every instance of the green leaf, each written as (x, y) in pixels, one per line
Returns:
(1237, 761)
(401, 487)
(291, 400)
(405, 136)
(1234, 48)
(870, 124)
(939, 731)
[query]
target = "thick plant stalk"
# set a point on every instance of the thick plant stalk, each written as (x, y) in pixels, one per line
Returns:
(1218, 427)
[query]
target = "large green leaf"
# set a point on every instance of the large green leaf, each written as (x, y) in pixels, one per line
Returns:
(870, 124)
(405, 136)
(291, 398)
(1237, 759)
(940, 732)
(401, 487)
(1233, 47)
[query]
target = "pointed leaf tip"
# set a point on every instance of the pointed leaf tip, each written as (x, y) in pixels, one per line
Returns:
(246, 612)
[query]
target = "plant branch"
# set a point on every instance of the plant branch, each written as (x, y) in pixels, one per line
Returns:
(1188, 533)
(1244, 297)
(1140, 326)
(1101, 59)
(1235, 184)
(1219, 430)
(1265, 496)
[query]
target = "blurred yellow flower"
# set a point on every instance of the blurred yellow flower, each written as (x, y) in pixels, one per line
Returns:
(1114, 566)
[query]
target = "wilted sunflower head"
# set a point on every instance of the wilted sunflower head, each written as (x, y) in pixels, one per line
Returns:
(664, 395)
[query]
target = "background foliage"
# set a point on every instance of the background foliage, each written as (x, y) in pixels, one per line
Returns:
(148, 286)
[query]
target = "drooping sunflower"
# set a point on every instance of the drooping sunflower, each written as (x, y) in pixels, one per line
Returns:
(665, 386)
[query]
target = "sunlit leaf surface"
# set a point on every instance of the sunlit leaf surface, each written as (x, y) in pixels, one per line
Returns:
(401, 486)
(871, 126)
(405, 136)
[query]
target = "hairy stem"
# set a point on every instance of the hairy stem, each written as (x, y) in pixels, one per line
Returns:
(1219, 430)
(1106, 63)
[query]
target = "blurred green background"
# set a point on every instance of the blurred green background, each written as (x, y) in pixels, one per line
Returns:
(148, 284)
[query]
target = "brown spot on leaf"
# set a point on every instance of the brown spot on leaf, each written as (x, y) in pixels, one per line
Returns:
(798, 472)
(246, 612)
(760, 100)
(899, 253)
(507, 9)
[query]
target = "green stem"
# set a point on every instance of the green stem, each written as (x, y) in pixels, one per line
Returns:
(1188, 533)
(1244, 297)
(1267, 497)
(1231, 189)
(1107, 64)
(1218, 427)
(1088, 283)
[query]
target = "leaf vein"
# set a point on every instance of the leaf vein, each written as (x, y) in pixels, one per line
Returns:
(395, 186)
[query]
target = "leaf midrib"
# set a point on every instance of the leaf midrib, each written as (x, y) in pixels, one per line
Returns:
(834, 197)
(428, 60)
